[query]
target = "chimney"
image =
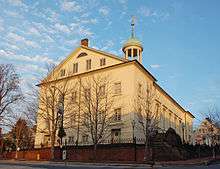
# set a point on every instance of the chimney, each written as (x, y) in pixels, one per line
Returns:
(85, 42)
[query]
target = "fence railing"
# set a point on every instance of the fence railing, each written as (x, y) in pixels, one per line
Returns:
(110, 141)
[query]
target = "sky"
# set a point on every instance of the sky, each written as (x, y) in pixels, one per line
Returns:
(181, 40)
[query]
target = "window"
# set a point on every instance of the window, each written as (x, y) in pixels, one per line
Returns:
(62, 72)
(157, 110)
(180, 126)
(139, 88)
(85, 138)
(175, 122)
(102, 62)
(170, 115)
(75, 67)
(117, 114)
(102, 90)
(71, 140)
(73, 119)
(163, 118)
(88, 64)
(74, 97)
(87, 94)
(117, 88)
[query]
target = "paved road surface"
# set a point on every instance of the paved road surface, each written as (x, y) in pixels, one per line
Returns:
(45, 165)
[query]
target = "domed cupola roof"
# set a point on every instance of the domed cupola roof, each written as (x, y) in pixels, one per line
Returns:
(133, 48)
(132, 41)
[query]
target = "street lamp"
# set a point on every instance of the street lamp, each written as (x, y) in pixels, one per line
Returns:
(134, 140)
(61, 132)
(133, 125)
(60, 112)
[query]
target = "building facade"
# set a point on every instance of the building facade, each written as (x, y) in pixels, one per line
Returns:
(128, 78)
(207, 133)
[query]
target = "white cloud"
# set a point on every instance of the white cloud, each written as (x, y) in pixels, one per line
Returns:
(47, 39)
(44, 28)
(27, 68)
(156, 15)
(62, 28)
(1, 25)
(122, 1)
(85, 32)
(19, 3)
(13, 14)
(89, 21)
(104, 11)
(73, 42)
(108, 45)
(12, 46)
(17, 38)
(33, 31)
(145, 11)
(80, 30)
(16, 2)
(155, 66)
(33, 59)
(70, 6)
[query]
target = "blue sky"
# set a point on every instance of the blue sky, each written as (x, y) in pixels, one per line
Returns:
(181, 40)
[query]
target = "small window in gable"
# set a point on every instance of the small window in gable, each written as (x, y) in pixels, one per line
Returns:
(102, 62)
(75, 67)
(62, 72)
(82, 54)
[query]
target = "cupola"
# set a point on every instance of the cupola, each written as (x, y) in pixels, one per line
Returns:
(133, 48)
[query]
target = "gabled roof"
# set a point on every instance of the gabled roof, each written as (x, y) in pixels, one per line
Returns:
(104, 53)
(87, 48)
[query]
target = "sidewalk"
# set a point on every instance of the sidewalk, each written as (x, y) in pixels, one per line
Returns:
(56, 163)
(191, 162)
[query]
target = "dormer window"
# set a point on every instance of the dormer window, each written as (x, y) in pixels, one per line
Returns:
(62, 72)
(75, 67)
(102, 62)
(88, 64)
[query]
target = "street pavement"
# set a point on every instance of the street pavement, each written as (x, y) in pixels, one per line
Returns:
(10, 164)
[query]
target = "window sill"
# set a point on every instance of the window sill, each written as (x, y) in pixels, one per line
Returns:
(116, 123)
(117, 95)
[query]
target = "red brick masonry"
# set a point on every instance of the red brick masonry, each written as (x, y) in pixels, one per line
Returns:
(124, 153)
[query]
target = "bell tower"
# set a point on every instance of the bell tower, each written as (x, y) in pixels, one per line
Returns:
(132, 48)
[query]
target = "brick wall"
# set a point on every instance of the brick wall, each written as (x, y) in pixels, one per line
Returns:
(111, 152)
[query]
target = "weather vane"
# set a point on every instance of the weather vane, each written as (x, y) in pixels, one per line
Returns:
(132, 26)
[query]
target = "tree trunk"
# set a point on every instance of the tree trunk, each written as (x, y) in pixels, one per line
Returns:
(52, 151)
(52, 146)
(146, 151)
(213, 152)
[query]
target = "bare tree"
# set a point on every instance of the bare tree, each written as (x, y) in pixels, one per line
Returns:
(10, 92)
(51, 110)
(147, 116)
(72, 117)
(30, 108)
(213, 127)
(97, 99)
